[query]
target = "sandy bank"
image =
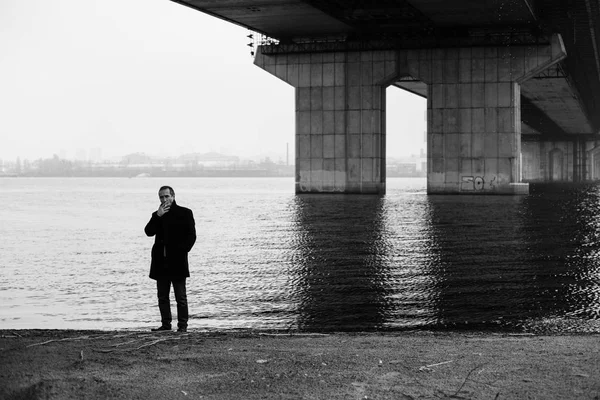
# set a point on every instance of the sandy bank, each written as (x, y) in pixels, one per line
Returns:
(57, 364)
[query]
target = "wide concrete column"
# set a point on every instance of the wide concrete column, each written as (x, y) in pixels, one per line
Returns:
(340, 117)
(473, 106)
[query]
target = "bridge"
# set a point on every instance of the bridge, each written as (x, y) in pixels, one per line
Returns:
(512, 86)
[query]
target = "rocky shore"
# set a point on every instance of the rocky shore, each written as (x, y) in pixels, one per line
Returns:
(65, 364)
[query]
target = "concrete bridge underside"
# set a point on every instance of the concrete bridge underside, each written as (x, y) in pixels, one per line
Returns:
(513, 88)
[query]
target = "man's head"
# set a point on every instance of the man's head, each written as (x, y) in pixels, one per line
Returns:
(166, 194)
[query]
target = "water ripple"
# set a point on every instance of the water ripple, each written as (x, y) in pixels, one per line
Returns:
(268, 259)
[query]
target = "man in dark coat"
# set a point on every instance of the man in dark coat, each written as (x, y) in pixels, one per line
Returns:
(174, 232)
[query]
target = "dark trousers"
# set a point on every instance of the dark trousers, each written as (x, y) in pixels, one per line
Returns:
(163, 287)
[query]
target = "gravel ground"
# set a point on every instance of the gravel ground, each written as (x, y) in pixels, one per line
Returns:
(66, 364)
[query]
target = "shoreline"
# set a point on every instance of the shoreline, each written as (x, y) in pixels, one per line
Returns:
(244, 364)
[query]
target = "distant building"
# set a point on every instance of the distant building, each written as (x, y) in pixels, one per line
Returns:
(136, 158)
(414, 165)
(210, 160)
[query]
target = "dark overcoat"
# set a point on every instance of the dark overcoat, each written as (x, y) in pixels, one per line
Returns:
(174, 236)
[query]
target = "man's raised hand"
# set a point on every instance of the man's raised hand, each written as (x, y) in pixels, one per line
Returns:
(163, 209)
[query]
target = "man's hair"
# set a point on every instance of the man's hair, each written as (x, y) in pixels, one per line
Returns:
(167, 187)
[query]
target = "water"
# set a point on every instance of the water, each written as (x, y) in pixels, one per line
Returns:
(74, 255)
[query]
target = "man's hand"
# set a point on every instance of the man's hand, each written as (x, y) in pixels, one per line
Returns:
(163, 209)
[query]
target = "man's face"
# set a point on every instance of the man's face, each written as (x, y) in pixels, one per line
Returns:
(165, 197)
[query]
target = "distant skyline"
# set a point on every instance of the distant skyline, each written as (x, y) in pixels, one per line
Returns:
(148, 76)
(97, 154)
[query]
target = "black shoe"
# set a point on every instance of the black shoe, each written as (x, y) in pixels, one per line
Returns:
(162, 328)
(181, 329)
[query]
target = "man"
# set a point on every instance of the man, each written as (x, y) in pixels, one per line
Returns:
(175, 234)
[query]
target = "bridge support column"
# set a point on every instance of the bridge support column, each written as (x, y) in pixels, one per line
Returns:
(473, 105)
(573, 159)
(340, 117)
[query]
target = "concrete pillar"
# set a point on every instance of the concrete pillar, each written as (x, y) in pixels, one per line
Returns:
(558, 160)
(473, 105)
(593, 157)
(340, 117)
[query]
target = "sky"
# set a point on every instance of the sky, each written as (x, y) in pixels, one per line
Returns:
(148, 76)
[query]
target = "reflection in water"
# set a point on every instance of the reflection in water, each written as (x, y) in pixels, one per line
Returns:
(362, 263)
(340, 263)
(448, 262)
(482, 282)
(562, 231)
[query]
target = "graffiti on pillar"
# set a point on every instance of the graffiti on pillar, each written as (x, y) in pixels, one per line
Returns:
(320, 187)
(476, 183)
(306, 184)
(304, 181)
(468, 183)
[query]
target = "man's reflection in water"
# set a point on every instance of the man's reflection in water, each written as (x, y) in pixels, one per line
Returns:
(340, 263)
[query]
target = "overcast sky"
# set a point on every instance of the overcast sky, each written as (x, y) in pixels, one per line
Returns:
(147, 76)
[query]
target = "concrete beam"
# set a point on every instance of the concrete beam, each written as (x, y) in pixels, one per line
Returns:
(539, 120)
(474, 114)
